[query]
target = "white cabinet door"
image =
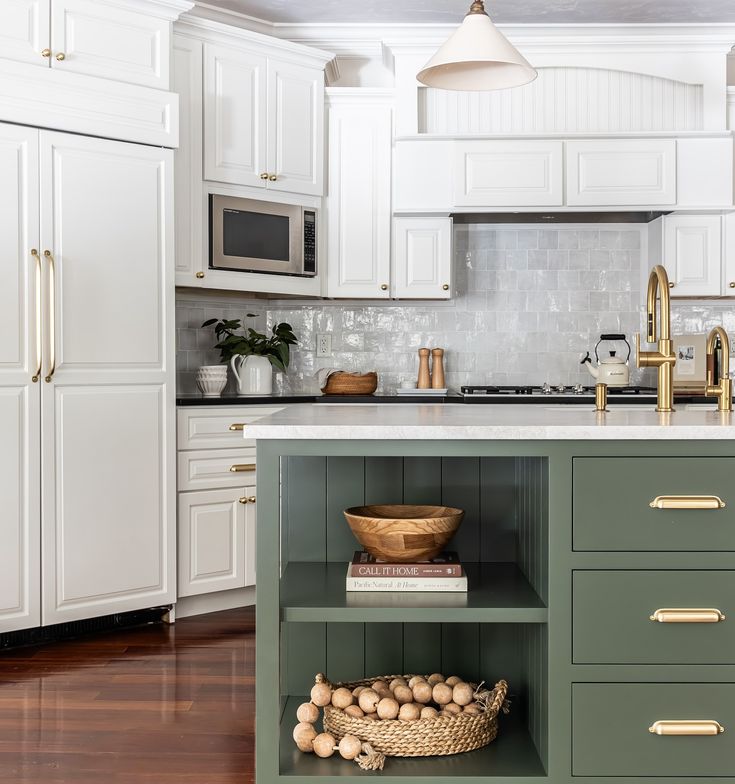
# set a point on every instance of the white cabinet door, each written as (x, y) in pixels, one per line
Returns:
(295, 128)
(234, 116)
(614, 172)
(508, 173)
(101, 39)
(24, 31)
(20, 462)
(358, 201)
(186, 80)
(693, 254)
(422, 260)
(216, 530)
(108, 459)
(728, 243)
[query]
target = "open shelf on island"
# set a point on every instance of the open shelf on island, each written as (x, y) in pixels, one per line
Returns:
(511, 756)
(498, 593)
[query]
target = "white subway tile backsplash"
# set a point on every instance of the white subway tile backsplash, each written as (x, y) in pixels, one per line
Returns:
(529, 301)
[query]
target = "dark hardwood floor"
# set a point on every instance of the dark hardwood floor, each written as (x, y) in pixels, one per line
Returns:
(155, 704)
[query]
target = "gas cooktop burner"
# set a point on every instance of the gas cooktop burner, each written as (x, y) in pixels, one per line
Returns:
(558, 390)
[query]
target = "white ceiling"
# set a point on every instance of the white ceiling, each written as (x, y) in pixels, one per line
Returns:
(501, 11)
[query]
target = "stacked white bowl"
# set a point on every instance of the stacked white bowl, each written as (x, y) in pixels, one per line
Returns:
(211, 380)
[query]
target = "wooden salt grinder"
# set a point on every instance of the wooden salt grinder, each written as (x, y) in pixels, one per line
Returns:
(437, 368)
(424, 379)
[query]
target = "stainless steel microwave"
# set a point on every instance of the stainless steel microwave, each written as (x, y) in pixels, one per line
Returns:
(248, 235)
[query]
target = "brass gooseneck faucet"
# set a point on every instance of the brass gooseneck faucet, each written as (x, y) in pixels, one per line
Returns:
(723, 389)
(663, 359)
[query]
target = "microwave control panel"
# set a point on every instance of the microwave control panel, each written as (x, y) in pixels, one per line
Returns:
(309, 242)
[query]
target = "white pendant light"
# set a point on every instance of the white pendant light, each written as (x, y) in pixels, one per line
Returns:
(477, 56)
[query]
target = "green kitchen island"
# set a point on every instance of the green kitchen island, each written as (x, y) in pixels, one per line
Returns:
(581, 531)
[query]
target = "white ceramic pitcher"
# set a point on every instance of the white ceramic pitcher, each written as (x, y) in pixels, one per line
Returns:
(255, 374)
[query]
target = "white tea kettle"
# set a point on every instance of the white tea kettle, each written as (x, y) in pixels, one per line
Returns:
(612, 370)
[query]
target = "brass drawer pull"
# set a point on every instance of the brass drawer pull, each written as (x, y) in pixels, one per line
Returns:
(687, 502)
(241, 467)
(706, 727)
(676, 615)
(237, 426)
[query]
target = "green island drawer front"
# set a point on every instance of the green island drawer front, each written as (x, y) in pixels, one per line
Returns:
(611, 735)
(612, 617)
(612, 499)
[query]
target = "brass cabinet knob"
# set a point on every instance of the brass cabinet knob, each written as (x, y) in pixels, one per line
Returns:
(200, 275)
(45, 53)
(264, 176)
(60, 56)
(272, 177)
(247, 499)
(671, 284)
(446, 287)
(732, 284)
(251, 499)
(384, 287)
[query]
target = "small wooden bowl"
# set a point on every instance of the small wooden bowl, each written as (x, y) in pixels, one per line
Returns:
(343, 383)
(402, 533)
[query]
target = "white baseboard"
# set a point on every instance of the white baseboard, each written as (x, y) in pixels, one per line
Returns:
(187, 606)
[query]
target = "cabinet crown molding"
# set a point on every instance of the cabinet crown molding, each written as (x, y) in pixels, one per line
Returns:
(163, 9)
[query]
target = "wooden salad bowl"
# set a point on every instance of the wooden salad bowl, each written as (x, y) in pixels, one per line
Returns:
(402, 533)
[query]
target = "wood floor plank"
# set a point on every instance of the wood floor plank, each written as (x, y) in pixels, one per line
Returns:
(156, 704)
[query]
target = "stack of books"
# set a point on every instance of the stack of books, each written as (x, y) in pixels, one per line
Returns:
(443, 573)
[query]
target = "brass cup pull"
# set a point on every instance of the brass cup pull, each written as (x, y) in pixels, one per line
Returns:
(242, 467)
(237, 426)
(39, 338)
(264, 176)
(51, 316)
(247, 499)
(272, 177)
(60, 56)
(679, 615)
(706, 727)
(45, 53)
(687, 502)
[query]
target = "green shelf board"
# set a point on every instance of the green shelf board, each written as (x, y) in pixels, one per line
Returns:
(498, 593)
(511, 756)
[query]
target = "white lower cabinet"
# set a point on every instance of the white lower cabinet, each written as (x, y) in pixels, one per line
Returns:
(216, 540)
(422, 258)
(87, 471)
(691, 248)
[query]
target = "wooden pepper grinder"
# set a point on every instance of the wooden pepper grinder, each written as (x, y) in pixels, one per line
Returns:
(424, 379)
(437, 368)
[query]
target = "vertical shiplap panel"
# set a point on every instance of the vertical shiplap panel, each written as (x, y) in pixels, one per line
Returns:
(501, 656)
(345, 651)
(307, 503)
(422, 480)
(345, 488)
(461, 489)
(460, 650)
(422, 646)
(383, 649)
(383, 480)
(305, 646)
(498, 535)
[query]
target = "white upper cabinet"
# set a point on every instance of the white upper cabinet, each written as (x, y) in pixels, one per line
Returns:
(20, 324)
(692, 254)
(235, 120)
(728, 228)
(422, 258)
(621, 172)
(120, 40)
(107, 40)
(520, 173)
(263, 121)
(24, 31)
(295, 128)
(358, 199)
(108, 441)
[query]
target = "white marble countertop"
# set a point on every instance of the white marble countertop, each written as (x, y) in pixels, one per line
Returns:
(488, 422)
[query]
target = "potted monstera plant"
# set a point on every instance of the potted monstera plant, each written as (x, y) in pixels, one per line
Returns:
(251, 354)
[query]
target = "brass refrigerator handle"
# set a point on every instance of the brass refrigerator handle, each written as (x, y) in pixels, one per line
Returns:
(239, 468)
(51, 315)
(39, 337)
(687, 615)
(687, 502)
(704, 727)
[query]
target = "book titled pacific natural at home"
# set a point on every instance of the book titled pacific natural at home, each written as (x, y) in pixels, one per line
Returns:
(407, 584)
(444, 565)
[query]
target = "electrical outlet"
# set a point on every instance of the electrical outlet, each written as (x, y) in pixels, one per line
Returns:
(324, 344)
